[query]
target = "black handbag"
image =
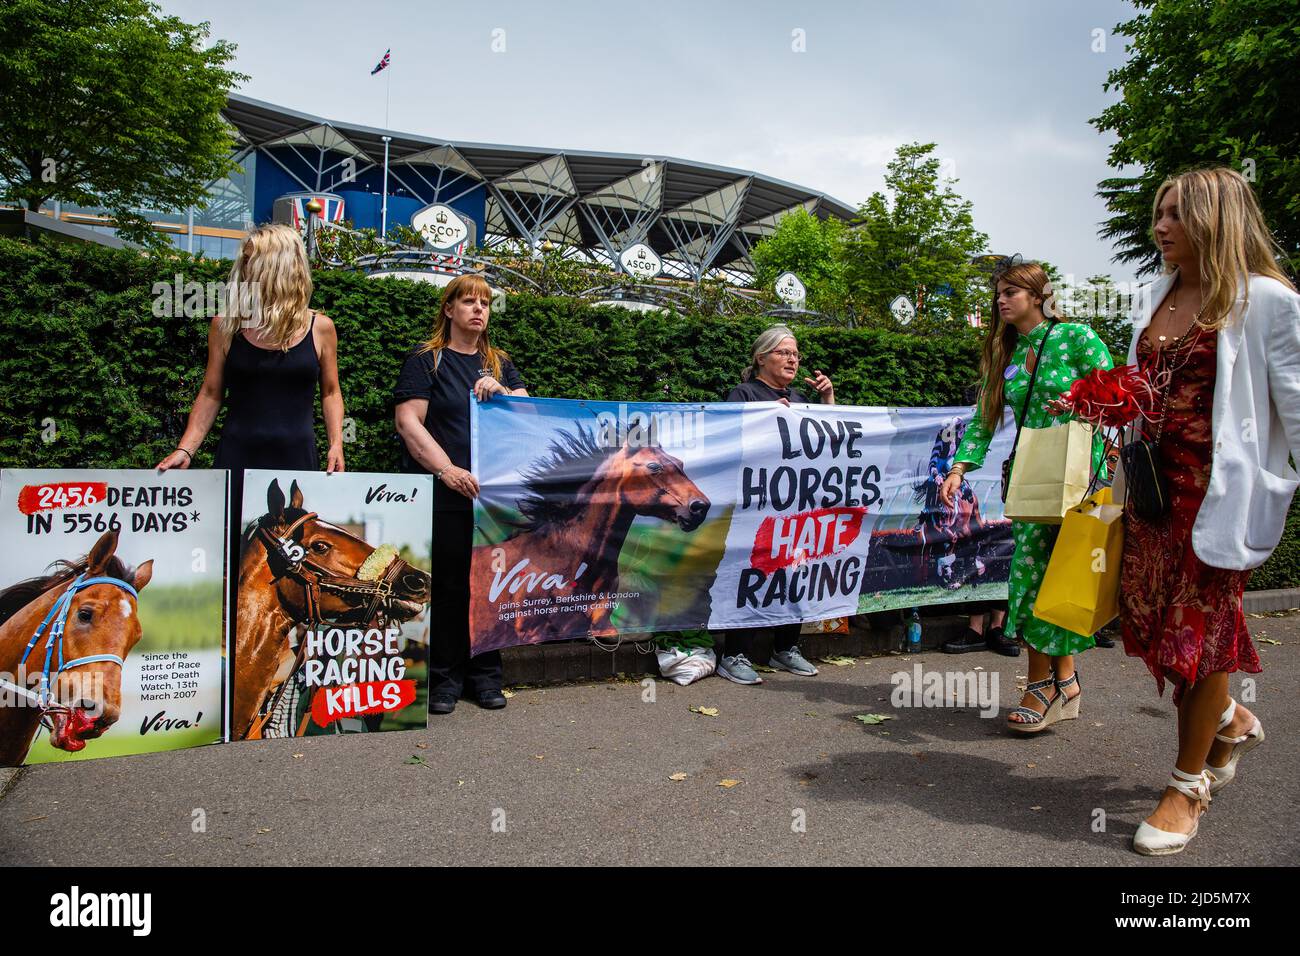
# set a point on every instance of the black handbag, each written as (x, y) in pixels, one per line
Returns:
(1144, 483)
(1024, 410)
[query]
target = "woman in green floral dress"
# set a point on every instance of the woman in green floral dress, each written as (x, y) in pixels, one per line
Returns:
(1013, 341)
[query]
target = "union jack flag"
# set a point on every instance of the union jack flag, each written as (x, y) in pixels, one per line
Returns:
(382, 63)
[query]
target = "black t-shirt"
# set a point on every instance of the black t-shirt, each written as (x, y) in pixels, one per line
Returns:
(448, 392)
(756, 390)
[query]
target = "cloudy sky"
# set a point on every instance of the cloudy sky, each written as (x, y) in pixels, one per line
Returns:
(1004, 87)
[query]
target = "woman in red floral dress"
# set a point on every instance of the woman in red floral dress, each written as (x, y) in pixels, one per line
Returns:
(1181, 616)
(1218, 336)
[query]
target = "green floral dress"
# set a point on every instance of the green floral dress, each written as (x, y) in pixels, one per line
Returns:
(1072, 352)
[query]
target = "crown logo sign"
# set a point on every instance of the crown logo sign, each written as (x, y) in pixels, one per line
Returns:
(441, 217)
(640, 253)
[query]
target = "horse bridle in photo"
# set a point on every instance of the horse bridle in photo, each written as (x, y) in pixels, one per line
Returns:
(296, 564)
(55, 620)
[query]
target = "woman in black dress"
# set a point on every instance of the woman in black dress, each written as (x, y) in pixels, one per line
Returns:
(432, 416)
(266, 354)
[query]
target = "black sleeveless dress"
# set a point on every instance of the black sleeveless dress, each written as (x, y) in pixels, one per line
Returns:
(270, 406)
(270, 418)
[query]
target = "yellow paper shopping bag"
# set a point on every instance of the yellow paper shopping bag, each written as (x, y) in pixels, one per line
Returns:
(1080, 590)
(1050, 473)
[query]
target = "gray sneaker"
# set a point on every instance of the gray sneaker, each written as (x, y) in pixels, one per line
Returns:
(792, 661)
(739, 670)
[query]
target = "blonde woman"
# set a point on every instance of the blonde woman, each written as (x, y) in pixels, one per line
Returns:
(1219, 335)
(432, 417)
(1021, 339)
(267, 352)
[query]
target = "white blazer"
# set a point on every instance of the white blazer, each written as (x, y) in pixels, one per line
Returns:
(1255, 422)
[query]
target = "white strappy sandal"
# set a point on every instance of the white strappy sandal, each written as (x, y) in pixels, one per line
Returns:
(1150, 841)
(1220, 777)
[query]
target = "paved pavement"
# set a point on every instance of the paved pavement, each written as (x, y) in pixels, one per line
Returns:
(582, 774)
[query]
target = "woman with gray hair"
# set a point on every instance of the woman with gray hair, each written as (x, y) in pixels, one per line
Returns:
(774, 364)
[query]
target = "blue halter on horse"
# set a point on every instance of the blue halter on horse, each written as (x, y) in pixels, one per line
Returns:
(58, 614)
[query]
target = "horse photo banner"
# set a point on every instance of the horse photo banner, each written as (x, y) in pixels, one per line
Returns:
(111, 612)
(602, 518)
(331, 623)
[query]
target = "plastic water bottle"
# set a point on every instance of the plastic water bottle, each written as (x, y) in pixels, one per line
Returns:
(912, 638)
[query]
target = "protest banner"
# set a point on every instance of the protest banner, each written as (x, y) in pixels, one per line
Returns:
(111, 612)
(331, 624)
(598, 519)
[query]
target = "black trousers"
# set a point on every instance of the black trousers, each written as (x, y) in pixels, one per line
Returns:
(451, 670)
(741, 640)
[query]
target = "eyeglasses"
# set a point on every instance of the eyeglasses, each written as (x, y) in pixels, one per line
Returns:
(785, 354)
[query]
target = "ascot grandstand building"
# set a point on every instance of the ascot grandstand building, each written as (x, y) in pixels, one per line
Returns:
(701, 220)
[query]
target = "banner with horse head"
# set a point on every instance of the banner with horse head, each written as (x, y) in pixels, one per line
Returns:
(112, 632)
(597, 519)
(331, 624)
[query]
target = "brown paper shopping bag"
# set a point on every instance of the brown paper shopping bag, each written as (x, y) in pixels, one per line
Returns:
(1051, 472)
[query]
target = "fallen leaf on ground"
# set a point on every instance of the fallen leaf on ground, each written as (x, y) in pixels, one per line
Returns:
(1035, 808)
(539, 756)
(706, 711)
(417, 759)
(423, 746)
(263, 829)
(764, 669)
(809, 713)
(677, 776)
(838, 661)
(728, 783)
(873, 718)
(1031, 765)
(297, 756)
(507, 694)
(1267, 640)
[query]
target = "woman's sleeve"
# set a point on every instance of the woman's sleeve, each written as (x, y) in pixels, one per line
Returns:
(513, 379)
(1284, 369)
(1090, 352)
(413, 380)
(975, 443)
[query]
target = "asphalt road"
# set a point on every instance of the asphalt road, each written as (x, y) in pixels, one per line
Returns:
(582, 774)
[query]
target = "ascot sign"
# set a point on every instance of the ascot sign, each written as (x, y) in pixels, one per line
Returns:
(640, 261)
(440, 226)
(790, 290)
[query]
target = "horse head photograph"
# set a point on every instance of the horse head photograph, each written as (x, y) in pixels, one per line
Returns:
(297, 569)
(579, 503)
(64, 639)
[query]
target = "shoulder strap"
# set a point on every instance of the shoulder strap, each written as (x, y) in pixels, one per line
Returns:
(1033, 377)
(437, 360)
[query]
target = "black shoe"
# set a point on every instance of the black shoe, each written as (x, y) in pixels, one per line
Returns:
(972, 640)
(1103, 640)
(995, 640)
(492, 699)
(442, 704)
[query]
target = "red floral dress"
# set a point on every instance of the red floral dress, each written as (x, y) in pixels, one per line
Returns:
(1181, 616)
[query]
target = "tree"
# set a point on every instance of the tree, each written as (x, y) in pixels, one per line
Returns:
(811, 248)
(1101, 304)
(916, 241)
(1207, 82)
(107, 103)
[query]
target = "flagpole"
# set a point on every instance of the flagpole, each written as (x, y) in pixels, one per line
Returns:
(383, 229)
(388, 86)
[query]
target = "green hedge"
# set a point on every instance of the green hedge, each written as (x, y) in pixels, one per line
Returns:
(83, 357)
